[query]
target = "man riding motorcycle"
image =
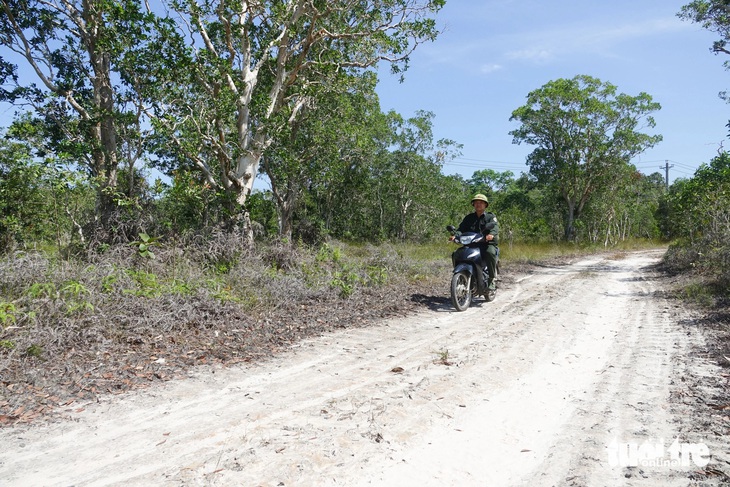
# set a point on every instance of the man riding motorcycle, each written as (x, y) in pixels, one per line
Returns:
(477, 222)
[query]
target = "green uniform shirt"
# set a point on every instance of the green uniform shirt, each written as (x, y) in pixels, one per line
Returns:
(472, 223)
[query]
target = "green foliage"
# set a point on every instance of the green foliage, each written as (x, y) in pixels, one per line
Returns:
(333, 268)
(147, 284)
(85, 109)
(20, 196)
(73, 307)
(376, 275)
(698, 293)
(697, 215)
(328, 253)
(144, 244)
(108, 283)
(699, 204)
(180, 288)
(338, 166)
(7, 313)
(223, 267)
(624, 209)
(345, 281)
(262, 209)
(72, 292)
(263, 114)
(42, 290)
(389, 187)
(74, 289)
(150, 285)
(713, 16)
(39, 200)
(585, 133)
(34, 350)
(489, 182)
(190, 204)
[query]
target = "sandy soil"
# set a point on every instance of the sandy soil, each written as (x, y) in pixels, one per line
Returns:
(536, 388)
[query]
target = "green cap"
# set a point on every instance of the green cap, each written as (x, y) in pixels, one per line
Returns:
(479, 197)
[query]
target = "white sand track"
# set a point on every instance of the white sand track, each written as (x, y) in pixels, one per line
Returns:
(530, 389)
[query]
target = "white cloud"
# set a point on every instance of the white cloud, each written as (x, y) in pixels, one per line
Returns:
(605, 40)
(491, 68)
(537, 54)
(546, 37)
(635, 30)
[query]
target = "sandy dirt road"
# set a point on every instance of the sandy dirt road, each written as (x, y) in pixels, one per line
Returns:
(540, 387)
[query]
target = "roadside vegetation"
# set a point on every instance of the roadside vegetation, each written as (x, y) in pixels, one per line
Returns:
(77, 328)
(698, 219)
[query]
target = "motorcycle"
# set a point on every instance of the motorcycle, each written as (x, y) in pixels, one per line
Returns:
(471, 277)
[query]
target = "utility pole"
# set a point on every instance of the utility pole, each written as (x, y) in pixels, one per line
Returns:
(666, 173)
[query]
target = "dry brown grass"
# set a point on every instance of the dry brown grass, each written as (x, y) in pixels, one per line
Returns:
(111, 322)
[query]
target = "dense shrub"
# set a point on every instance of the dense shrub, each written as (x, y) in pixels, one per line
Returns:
(698, 218)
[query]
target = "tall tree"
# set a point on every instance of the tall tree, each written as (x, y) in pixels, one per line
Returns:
(584, 131)
(41, 200)
(489, 181)
(713, 15)
(335, 132)
(697, 213)
(75, 48)
(254, 67)
(702, 206)
(407, 177)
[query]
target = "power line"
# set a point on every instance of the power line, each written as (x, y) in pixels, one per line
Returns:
(495, 164)
(478, 162)
(687, 166)
(469, 161)
(482, 160)
(644, 164)
(681, 168)
(478, 166)
(648, 163)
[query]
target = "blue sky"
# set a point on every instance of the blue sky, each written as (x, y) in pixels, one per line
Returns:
(492, 53)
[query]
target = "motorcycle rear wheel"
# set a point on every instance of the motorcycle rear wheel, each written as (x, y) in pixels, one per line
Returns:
(461, 292)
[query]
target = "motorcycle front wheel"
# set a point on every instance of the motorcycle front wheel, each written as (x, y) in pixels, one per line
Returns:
(461, 290)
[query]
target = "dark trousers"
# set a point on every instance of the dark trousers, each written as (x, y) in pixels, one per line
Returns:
(489, 257)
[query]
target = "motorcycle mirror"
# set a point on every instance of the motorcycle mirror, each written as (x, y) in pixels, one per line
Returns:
(450, 228)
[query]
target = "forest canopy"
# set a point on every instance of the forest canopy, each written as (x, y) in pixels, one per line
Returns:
(217, 96)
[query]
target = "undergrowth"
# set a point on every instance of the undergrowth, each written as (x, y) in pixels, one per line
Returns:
(533, 253)
(102, 293)
(50, 305)
(703, 273)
